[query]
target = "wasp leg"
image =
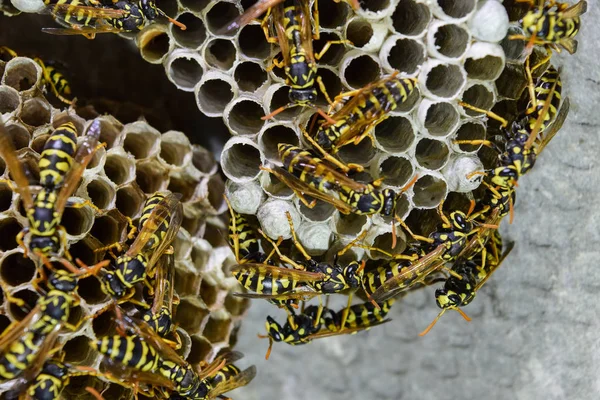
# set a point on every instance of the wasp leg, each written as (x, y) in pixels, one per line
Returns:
(353, 243)
(344, 167)
(324, 90)
(346, 312)
(490, 114)
(411, 233)
(275, 63)
(235, 236)
(21, 243)
(295, 238)
(328, 45)
(83, 204)
(319, 312)
(10, 298)
(281, 256)
(264, 24)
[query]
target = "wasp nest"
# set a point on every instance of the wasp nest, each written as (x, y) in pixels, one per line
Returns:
(453, 48)
(137, 161)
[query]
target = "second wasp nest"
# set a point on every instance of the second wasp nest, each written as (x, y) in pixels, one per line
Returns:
(137, 161)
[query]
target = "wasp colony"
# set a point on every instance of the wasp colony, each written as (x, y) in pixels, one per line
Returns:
(375, 147)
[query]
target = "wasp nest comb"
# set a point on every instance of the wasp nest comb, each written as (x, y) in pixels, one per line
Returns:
(451, 48)
(136, 161)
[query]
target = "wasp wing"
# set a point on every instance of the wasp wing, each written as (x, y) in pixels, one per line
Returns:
(168, 208)
(239, 380)
(249, 15)
(414, 273)
(345, 331)
(555, 127)
(14, 332)
(319, 168)
(278, 273)
(83, 156)
(299, 186)
(574, 11)
(306, 34)
(280, 31)
(506, 252)
(8, 153)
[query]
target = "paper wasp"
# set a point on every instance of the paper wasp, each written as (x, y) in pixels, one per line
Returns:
(297, 328)
(366, 108)
(525, 139)
(138, 354)
(475, 272)
(457, 237)
(550, 27)
(260, 7)
(305, 280)
(160, 221)
(121, 16)
(306, 174)
(160, 315)
(61, 166)
(294, 34)
(25, 344)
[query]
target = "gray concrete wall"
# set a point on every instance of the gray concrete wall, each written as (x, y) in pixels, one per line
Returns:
(536, 323)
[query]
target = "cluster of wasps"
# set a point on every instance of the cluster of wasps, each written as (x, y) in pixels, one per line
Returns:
(90, 17)
(464, 249)
(142, 354)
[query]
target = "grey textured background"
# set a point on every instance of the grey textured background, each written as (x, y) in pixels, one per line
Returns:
(536, 328)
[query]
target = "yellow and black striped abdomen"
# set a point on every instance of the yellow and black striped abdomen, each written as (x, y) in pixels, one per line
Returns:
(375, 278)
(43, 218)
(57, 156)
(549, 82)
(263, 282)
(246, 236)
(49, 383)
(20, 354)
(131, 351)
(225, 373)
(161, 225)
(306, 167)
(58, 80)
(366, 314)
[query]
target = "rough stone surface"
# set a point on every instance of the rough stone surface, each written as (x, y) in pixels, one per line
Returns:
(535, 324)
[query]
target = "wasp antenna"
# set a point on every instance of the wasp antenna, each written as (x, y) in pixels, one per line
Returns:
(176, 23)
(94, 393)
(277, 111)
(269, 349)
(324, 115)
(462, 313)
(432, 324)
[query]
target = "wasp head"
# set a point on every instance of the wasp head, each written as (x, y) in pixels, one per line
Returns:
(62, 281)
(274, 330)
(304, 97)
(112, 286)
(461, 222)
(352, 276)
(44, 245)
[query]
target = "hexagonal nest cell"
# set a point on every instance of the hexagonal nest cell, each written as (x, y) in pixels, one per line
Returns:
(196, 100)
